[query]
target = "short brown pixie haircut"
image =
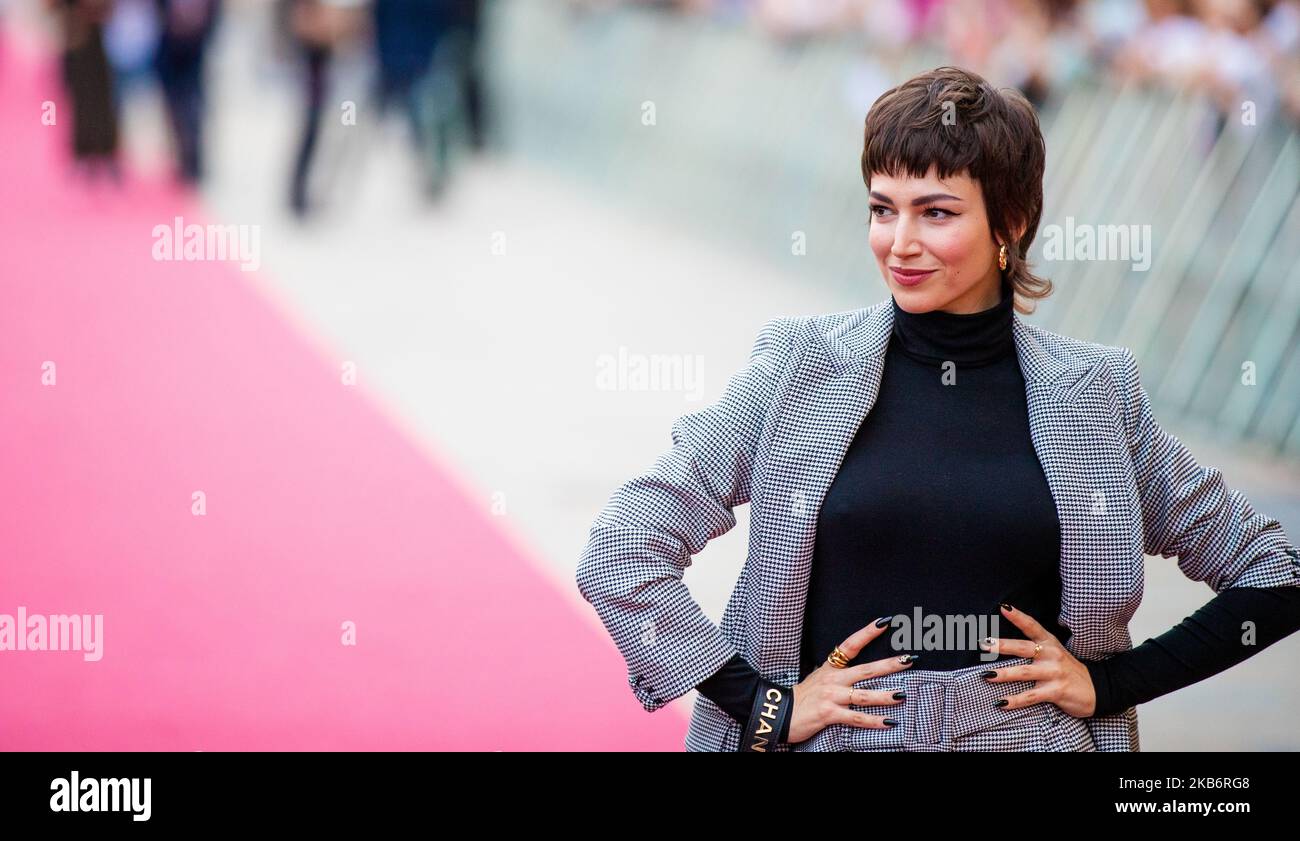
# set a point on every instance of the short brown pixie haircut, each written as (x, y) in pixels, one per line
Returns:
(954, 119)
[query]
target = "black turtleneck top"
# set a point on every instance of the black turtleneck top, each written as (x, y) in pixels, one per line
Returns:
(940, 507)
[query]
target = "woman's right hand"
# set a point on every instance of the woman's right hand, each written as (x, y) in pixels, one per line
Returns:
(826, 696)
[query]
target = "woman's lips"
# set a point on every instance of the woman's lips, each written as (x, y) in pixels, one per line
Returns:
(910, 277)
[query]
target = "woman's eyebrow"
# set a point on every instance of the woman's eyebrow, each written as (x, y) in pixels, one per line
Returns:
(919, 200)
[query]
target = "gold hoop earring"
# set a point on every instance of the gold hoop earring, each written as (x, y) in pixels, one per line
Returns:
(1002, 257)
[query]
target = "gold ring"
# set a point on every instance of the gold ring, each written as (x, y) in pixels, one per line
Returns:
(1037, 649)
(838, 658)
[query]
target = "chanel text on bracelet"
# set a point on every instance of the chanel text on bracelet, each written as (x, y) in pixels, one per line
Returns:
(771, 707)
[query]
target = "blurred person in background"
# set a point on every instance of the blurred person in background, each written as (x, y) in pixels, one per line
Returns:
(405, 31)
(1234, 65)
(455, 86)
(131, 40)
(1166, 46)
(1280, 41)
(1222, 51)
(186, 31)
(317, 28)
(1032, 45)
(427, 52)
(89, 82)
(1042, 49)
(887, 30)
(466, 64)
(794, 21)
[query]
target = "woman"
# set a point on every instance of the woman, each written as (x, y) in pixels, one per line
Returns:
(935, 463)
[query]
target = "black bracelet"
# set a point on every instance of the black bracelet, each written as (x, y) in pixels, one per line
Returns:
(773, 704)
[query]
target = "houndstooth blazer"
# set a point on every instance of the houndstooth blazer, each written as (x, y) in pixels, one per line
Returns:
(775, 439)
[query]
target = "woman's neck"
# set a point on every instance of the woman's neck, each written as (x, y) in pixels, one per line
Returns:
(974, 338)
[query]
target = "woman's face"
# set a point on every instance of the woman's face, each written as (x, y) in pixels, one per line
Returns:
(931, 239)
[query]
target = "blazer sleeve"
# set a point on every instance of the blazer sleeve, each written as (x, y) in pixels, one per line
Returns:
(642, 541)
(1189, 511)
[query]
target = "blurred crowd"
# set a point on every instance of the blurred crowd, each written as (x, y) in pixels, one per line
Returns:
(1235, 55)
(425, 56)
(1231, 52)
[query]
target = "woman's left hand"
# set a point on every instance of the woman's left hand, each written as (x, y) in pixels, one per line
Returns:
(1060, 678)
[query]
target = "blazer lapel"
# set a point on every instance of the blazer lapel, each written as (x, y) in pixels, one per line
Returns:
(834, 388)
(831, 391)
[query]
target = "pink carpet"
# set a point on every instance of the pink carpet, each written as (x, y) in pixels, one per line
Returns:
(223, 631)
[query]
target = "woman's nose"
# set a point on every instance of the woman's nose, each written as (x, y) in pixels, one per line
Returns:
(905, 241)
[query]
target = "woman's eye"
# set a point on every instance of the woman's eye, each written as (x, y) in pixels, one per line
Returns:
(880, 210)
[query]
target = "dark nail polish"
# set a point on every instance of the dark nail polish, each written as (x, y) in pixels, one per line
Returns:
(883, 621)
(1001, 702)
(900, 696)
(989, 674)
(909, 658)
(889, 722)
(1007, 606)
